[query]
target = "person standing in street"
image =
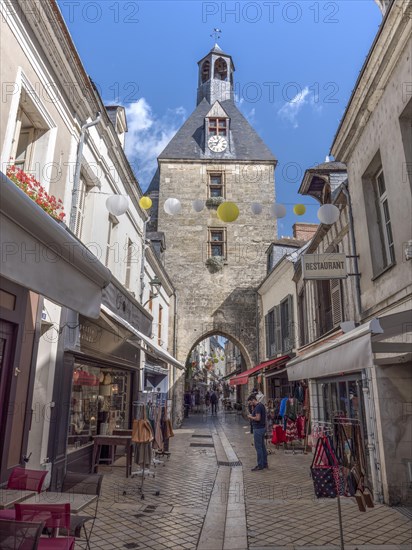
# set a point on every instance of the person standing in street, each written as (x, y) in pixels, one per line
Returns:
(258, 419)
(214, 400)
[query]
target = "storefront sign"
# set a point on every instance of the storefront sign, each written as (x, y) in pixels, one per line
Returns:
(324, 266)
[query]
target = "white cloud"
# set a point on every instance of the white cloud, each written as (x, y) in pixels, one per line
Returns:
(148, 135)
(290, 110)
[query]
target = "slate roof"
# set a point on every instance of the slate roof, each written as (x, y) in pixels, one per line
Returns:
(245, 144)
(332, 165)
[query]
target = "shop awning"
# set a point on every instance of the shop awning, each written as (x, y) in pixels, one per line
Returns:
(38, 253)
(347, 353)
(243, 377)
(156, 350)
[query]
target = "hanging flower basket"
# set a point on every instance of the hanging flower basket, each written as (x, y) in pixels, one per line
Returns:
(215, 263)
(37, 193)
(214, 202)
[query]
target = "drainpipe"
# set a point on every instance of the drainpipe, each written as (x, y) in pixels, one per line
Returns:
(345, 190)
(76, 182)
(142, 285)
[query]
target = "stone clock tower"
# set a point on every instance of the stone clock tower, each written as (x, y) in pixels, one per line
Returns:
(215, 266)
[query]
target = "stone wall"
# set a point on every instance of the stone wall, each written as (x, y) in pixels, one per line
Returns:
(223, 302)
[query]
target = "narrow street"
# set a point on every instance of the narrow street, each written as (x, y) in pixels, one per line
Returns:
(211, 500)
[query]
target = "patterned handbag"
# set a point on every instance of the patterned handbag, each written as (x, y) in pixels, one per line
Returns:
(324, 470)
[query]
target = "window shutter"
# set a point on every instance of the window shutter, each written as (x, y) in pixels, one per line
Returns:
(291, 329)
(278, 331)
(336, 299)
(267, 333)
(81, 196)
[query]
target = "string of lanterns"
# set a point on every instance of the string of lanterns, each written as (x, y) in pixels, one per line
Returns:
(228, 211)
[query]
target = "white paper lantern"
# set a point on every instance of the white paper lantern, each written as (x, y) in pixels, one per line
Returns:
(117, 204)
(172, 206)
(328, 214)
(256, 208)
(278, 210)
(198, 205)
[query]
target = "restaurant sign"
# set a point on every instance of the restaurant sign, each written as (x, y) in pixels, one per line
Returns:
(324, 266)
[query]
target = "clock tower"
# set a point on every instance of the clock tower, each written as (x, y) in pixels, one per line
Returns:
(215, 266)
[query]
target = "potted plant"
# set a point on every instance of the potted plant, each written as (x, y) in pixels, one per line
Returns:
(214, 202)
(215, 263)
(33, 189)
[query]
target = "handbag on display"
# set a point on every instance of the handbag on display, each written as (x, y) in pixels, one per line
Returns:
(325, 470)
(142, 430)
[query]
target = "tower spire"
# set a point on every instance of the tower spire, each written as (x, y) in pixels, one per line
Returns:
(215, 74)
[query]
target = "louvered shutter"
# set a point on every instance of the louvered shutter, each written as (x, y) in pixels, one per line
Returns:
(267, 333)
(336, 299)
(290, 344)
(277, 345)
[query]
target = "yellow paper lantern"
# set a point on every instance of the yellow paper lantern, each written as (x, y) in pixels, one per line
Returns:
(228, 212)
(299, 209)
(145, 203)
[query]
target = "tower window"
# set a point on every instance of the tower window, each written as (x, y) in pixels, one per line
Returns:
(205, 71)
(220, 72)
(217, 242)
(218, 126)
(216, 184)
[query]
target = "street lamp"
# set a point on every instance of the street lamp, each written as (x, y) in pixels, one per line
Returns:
(155, 285)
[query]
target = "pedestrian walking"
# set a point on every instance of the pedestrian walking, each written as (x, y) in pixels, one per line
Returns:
(207, 400)
(258, 418)
(214, 401)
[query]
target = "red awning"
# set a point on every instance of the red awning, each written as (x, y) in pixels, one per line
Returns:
(243, 377)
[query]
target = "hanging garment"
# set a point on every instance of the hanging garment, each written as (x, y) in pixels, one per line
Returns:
(143, 454)
(278, 435)
(300, 426)
(291, 430)
(291, 409)
(282, 408)
(158, 437)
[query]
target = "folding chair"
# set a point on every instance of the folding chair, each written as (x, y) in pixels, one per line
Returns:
(19, 535)
(85, 484)
(55, 517)
(22, 479)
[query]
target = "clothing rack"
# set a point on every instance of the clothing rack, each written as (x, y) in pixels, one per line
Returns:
(141, 473)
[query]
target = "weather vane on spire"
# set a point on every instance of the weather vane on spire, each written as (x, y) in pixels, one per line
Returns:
(216, 34)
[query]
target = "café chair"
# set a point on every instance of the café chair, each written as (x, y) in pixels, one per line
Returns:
(55, 517)
(23, 479)
(19, 535)
(85, 484)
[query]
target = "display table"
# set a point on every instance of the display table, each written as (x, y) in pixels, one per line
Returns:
(9, 497)
(112, 441)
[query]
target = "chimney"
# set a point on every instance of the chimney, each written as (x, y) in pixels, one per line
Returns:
(304, 231)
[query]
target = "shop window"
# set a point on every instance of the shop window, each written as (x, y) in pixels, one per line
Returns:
(100, 403)
(216, 187)
(217, 242)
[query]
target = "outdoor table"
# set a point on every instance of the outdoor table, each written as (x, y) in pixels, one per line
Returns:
(77, 501)
(9, 497)
(112, 441)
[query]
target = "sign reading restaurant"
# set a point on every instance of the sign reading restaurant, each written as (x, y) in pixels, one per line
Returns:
(324, 266)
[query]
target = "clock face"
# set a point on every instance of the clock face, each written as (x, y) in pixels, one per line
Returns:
(217, 144)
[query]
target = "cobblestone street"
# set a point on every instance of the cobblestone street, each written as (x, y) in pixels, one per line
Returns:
(207, 504)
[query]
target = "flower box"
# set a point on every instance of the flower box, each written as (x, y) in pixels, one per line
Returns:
(215, 263)
(214, 202)
(33, 189)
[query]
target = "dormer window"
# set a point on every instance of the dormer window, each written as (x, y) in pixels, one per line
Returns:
(218, 126)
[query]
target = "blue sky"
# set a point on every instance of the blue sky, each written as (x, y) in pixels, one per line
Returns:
(296, 65)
